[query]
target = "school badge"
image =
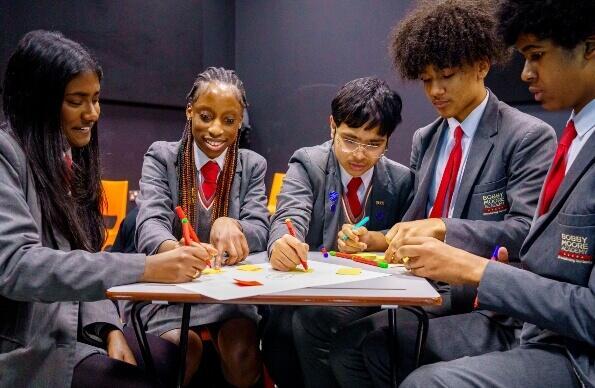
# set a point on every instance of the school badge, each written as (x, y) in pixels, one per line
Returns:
(494, 203)
(575, 248)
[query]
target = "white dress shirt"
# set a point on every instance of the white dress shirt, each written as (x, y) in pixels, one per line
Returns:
(469, 126)
(200, 159)
(584, 122)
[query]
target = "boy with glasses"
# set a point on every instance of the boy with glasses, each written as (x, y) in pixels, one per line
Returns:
(328, 185)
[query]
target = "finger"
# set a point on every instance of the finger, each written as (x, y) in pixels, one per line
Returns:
(391, 252)
(416, 240)
(285, 262)
(354, 244)
(503, 255)
(345, 248)
(410, 251)
(349, 232)
(285, 253)
(233, 256)
(220, 248)
(360, 231)
(245, 247)
(392, 232)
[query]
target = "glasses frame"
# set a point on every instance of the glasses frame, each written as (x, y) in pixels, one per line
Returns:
(367, 149)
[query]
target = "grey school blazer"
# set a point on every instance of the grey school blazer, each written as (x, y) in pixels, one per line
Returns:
(159, 197)
(45, 288)
(506, 167)
(313, 175)
(507, 163)
(557, 300)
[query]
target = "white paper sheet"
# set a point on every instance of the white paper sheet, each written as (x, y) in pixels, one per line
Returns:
(222, 287)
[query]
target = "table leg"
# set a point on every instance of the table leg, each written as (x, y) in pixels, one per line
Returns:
(422, 331)
(183, 343)
(141, 338)
(393, 343)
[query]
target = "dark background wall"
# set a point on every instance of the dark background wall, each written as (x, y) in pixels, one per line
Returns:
(291, 55)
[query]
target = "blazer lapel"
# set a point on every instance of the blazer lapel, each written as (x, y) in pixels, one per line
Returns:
(332, 209)
(426, 173)
(379, 207)
(480, 148)
(580, 165)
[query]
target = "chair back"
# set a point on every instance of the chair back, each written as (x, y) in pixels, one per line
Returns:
(116, 196)
(275, 189)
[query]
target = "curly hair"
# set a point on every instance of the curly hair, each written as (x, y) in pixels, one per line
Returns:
(566, 23)
(444, 34)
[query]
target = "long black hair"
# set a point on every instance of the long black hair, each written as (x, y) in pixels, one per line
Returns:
(33, 92)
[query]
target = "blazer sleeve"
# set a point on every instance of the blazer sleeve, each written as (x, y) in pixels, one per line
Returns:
(564, 308)
(254, 215)
(155, 217)
(295, 200)
(414, 160)
(95, 317)
(30, 271)
(526, 172)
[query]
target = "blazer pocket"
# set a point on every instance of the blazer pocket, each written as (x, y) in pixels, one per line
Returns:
(576, 238)
(490, 186)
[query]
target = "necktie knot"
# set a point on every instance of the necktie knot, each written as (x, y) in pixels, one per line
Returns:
(210, 171)
(458, 134)
(354, 184)
(568, 134)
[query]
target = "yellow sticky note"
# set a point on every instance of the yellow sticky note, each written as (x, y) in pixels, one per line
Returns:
(249, 267)
(211, 271)
(301, 270)
(367, 256)
(349, 271)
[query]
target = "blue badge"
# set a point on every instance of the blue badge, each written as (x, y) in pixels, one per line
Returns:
(333, 196)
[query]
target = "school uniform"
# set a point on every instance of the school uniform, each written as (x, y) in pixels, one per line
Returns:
(157, 222)
(505, 157)
(553, 294)
(315, 195)
(52, 299)
(506, 154)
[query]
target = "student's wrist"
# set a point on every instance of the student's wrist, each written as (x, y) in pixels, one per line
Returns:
(168, 245)
(375, 241)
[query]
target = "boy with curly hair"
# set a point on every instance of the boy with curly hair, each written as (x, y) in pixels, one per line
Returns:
(554, 293)
(479, 168)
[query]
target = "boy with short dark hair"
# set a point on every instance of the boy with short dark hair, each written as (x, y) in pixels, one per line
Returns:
(328, 185)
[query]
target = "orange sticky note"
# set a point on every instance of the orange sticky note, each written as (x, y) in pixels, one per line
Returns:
(247, 283)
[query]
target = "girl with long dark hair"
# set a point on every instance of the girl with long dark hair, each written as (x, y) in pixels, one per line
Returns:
(57, 329)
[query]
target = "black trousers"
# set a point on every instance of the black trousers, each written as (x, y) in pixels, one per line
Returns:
(100, 371)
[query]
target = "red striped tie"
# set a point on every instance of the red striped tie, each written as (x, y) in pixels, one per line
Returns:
(449, 178)
(352, 198)
(558, 170)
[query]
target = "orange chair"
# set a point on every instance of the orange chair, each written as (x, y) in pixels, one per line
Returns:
(275, 189)
(116, 195)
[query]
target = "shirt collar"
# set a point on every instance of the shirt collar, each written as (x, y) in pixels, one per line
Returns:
(585, 119)
(346, 178)
(200, 159)
(471, 122)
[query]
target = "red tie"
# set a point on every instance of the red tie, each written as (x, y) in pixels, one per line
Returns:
(209, 179)
(556, 174)
(449, 178)
(352, 198)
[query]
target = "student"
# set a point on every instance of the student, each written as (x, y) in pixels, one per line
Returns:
(554, 293)
(472, 192)
(221, 189)
(326, 186)
(57, 330)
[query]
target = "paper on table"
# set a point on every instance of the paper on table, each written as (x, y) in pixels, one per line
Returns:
(222, 287)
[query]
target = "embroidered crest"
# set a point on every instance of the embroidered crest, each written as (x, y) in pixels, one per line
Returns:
(380, 203)
(494, 203)
(575, 248)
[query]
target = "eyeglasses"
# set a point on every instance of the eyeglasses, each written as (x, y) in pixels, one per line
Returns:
(350, 146)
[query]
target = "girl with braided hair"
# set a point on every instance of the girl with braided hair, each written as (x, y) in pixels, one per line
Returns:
(221, 189)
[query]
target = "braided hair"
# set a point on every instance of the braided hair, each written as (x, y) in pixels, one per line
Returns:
(187, 178)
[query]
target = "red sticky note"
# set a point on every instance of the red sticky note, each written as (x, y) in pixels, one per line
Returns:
(246, 283)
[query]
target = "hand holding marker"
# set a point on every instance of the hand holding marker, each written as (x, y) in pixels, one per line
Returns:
(362, 222)
(292, 233)
(187, 230)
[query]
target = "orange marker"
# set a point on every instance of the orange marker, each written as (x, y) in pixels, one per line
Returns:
(187, 229)
(292, 232)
